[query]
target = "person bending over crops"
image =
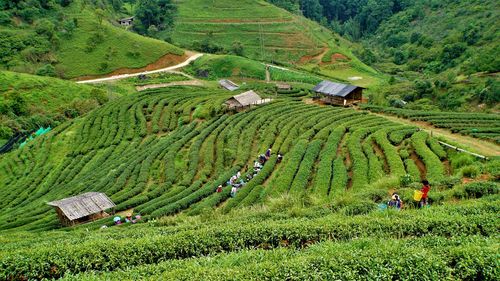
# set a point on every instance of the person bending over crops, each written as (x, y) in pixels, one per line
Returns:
(219, 189)
(280, 158)
(425, 190)
(395, 202)
(268, 153)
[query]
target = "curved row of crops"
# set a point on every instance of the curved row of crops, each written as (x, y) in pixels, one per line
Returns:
(165, 151)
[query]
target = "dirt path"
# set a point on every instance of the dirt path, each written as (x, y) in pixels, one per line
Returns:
(469, 143)
(128, 75)
(171, 84)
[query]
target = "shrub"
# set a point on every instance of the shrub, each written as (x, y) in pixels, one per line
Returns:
(470, 171)
(480, 189)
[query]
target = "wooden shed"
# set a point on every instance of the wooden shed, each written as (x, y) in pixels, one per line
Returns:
(228, 85)
(339, 94)
(82, 208)
(245, 99)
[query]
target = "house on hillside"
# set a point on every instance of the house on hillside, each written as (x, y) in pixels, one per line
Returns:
(126, 21)
(338, 94)
(283, 87)
(228, 85)
(245, 99)
(82, 208)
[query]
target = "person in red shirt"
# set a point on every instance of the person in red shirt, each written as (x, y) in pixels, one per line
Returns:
(425, 190)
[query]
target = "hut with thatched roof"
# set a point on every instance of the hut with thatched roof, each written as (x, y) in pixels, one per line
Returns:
(82, 208)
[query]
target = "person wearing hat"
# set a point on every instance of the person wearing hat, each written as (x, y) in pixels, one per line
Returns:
(128, 218)
(395, 202)
(219, 189)
(117, 220)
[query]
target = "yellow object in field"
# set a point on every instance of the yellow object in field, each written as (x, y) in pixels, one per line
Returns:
(417, 195)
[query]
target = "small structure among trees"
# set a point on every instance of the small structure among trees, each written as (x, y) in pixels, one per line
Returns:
(245, 99)
(126, 21)
(82, 208)
(338, 94)
(228, 85)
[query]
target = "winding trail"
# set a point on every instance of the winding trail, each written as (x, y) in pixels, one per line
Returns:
(124, 76)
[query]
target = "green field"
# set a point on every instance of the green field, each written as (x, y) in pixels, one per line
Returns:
(479, 125)
(92, 48)
(169, 154)
(29, 101)
(267, 33)
(162, 153)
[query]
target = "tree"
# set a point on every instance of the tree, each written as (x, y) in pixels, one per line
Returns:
(237, 48)
(312, 9)
(159, 13)
(47, 70)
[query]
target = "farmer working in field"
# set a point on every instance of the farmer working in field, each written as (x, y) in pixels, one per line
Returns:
(395, 202)
(425, 190)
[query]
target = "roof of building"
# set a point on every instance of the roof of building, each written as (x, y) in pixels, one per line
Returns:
(247, 98)
(83, 205)
(229, 85)
(334, 89)
(126, 19)
(283, 86)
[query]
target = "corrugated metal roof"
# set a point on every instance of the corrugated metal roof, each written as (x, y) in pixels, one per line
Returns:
(229, 85)
(247, 98)
(334, 89)
(83, 205)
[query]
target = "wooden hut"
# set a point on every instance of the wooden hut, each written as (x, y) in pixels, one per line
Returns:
(228, 85)
(82, 208)
(243, 100)
(126, 21)
(339, 94)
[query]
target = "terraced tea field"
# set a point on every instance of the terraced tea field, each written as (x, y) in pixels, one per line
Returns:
(165, 151)
(479, 125)
(265, 31)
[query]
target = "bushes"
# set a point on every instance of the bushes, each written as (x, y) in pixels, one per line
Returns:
(40, 261)
(435, 169)
(480, 189)
(304, 172)
(324, 174)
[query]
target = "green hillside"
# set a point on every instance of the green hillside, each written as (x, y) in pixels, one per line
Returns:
(28, 102)
(442, 54)
(74, 41)
(261, 31)
(341, 192)
(164, 152)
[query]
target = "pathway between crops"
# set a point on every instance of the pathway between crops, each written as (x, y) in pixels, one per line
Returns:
(475, 145)
(124, 76)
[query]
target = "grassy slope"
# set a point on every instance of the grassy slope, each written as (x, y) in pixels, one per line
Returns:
(43, 94)
(267, 33)
(46, 99)
(224, 66)
(118, 49)
(75, 61)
